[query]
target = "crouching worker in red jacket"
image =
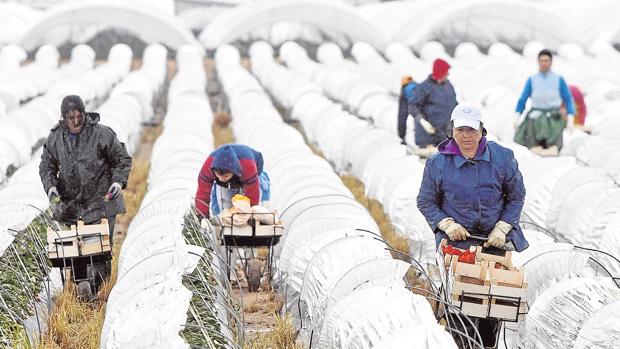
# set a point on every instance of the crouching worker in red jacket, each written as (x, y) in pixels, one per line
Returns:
(231, 169)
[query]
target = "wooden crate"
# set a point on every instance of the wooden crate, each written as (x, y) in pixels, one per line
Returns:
(79, 240)
(237, 230)
(462, 285)
(488, 299)
(505, 309)
(481, 290)
(268, 229)
(505, 260)
(478, 270)
(259, 229)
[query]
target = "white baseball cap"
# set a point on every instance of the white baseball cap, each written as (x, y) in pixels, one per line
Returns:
(466, 115)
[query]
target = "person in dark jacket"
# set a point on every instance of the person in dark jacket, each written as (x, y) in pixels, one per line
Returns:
(234, 169)
(431, 105)
(473, 187)
(84, 167)
(406, 95)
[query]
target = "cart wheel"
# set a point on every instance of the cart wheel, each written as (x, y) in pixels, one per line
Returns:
(253, 274)
(84, 291)
(98, 273)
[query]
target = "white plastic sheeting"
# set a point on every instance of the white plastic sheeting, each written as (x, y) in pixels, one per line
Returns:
(330, 263)
(20, 83)
(414, 23)
(22, 130)
(540, 177)
(324, 256)
(130, 101)
(554, 271)
(250, 17)
(341, 82)
(598, 152)
(547, 264)
(54, 26)
(372, 155)
(568, 193)
(15, 19)
(358, 321)
(573, 313)
(23, 197)
(574, 203)
(493, 81)
(610, 242)
(571, 208)
(148, 305)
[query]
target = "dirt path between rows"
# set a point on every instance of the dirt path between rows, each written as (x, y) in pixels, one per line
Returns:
(259, 308)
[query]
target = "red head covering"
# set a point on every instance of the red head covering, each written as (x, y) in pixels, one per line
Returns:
(440, 69)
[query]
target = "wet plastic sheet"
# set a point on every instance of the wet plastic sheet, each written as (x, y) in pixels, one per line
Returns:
(368, 316)
(540, 177)
(148, 305)
(557, 318)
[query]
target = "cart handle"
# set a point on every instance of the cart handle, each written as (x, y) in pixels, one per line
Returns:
(489, 250)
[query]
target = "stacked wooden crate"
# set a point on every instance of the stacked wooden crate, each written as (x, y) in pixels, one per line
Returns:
(491, 287)
(79, 240)
(258, 229)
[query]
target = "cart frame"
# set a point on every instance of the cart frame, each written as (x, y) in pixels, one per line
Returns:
(253, 267)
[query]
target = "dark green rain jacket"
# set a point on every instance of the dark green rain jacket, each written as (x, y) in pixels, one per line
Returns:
(82, 168)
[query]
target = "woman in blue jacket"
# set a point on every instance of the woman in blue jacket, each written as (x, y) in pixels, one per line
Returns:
(473, 187)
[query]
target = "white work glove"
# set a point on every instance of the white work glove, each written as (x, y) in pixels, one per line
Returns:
(53, 195)
(455, 231)
(497, 238)
(427, 126)
(113, 192)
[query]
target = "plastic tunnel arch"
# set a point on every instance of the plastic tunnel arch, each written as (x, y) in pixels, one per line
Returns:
(150, 25)
(330, 16)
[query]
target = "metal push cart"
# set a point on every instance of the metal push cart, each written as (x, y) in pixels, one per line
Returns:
(83, 253)
(490, 291)
(250, 237)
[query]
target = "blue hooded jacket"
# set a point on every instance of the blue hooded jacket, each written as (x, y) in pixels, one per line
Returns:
(476, 193)
(244, 162)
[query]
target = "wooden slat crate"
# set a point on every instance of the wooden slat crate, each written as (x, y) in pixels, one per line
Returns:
(237, 230)
(481, 290)
(79, 240)
(268, 229)
(259, 230)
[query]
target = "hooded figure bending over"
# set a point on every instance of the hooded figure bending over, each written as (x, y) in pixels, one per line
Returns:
(234, 169)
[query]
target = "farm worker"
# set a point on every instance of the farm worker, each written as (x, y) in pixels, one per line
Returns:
(472, 186)
(543, 126)
(84, 167)
(406, 95)
(431, 104)
(231, 169)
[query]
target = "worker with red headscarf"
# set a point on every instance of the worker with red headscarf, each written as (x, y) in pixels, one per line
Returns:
(432, 103)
